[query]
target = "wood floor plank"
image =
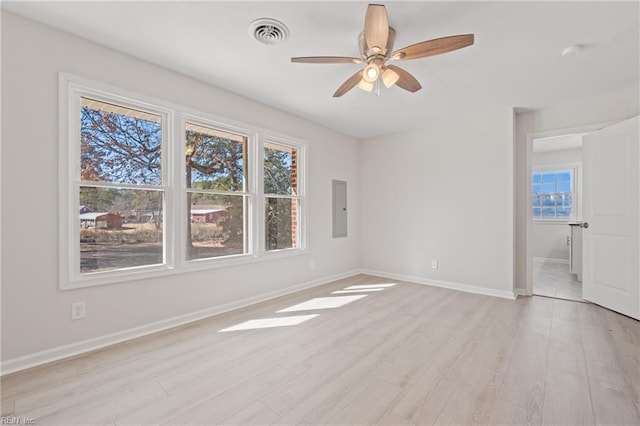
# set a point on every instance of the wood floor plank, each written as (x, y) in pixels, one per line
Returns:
(370, 406)
(51, 399)
(611, 393)
(567, 399)
(104, 357)
(524, 378)
(424, 400)
(405, 365)
(8, 407)
(216, 409)
(391, 418)
(498, 344)
(505, 414)
(407, 355)
(100, 412)
(249, 364)
(473, 399)
(255, 413)
(423, 403)
(625, 332)
(17, 384)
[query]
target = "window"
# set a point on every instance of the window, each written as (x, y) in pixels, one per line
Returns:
(553, 193)
(217, 193)
(149, 188)
(120, 188)
(281, 196)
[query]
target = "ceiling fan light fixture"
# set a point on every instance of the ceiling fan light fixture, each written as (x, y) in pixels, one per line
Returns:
(365, 85)
(371, 73)
(389, 77)
(376, 48)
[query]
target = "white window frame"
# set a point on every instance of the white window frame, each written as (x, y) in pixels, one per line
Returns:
(301, 164)
(248, 193)
(174, 118)
(576, 197)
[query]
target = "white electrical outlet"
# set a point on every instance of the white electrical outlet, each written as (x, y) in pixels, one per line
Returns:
(434, 264)
(78, 310)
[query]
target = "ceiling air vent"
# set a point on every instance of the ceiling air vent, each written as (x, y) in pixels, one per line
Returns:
(268, 31)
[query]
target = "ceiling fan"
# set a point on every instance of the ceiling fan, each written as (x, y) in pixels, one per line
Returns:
(376, 44)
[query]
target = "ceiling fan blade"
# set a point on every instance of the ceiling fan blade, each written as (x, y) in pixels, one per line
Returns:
(433, 47)
(376, 26)
(349, 84)
(406, 80)
(327, 60)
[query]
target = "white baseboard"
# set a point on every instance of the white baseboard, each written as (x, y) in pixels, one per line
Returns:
(445, 284)
(551, 260)
(522, 292)
(84, 346)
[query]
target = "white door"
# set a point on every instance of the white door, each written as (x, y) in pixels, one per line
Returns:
(611, 258)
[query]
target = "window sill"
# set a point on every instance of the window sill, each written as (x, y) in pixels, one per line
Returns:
(118, 277)
(553, 222)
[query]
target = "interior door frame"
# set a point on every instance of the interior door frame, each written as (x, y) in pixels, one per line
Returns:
(528, 234)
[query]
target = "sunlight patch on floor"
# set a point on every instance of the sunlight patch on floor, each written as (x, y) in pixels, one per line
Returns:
(323, 303)
(356, 291)
(312, 304)
(270, 322)
(368, 286)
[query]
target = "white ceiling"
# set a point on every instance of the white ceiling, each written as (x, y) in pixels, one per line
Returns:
(516, 60)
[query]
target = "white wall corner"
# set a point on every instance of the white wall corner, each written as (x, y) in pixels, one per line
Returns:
(467, 288)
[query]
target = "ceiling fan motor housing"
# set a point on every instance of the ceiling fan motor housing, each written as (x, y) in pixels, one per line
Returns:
(368, 54)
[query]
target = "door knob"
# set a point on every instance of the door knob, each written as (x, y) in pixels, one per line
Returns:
(584, 225)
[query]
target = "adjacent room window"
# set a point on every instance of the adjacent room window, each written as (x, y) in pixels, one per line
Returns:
(553, 193)
(217, 193)
(282, 202)
(149, 188)
(120, 188)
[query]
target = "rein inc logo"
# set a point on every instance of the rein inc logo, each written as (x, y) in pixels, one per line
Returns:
(15, 420)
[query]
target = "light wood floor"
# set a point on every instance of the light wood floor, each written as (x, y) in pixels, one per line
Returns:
(410, 354)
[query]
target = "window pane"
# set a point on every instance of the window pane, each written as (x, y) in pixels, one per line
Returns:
(548, 188)
(548, 200)
(216, 225)
(564, 175)
(281, 223)
(564, 200)
(548, 177)
(119, 144)
(537, 212)
(548, 212)
(120, 228)
(564, 212)
(215, 159)
(537, 178)
(564, 186)
(280, 169)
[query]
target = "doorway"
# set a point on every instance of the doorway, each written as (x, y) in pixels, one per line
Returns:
(556, 195)
(610, 232)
